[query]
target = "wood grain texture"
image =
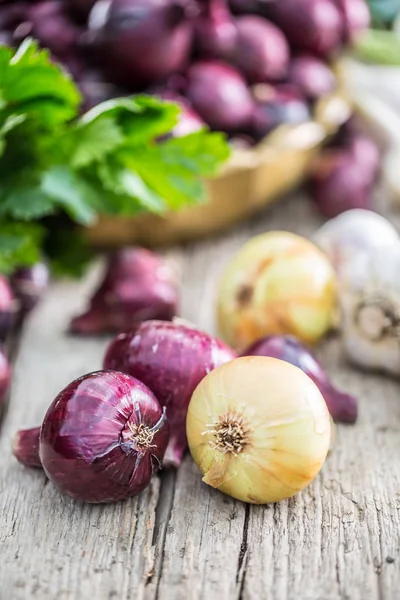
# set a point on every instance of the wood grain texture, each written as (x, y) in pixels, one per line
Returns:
(181, 540)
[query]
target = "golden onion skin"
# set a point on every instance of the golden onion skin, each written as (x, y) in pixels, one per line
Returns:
(285, 424)
(278, 283)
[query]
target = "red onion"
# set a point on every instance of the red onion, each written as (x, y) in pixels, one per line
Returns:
(215, 31)
(275, 106)
(261, 53)
(5, 375)
(102, 438)
(171, 359)
(29, 284)
(219, 94)
(51, 26)
(95, 90)
(356, 18)
(138, 285)
(343, 407)
(344, 176)
(12, 15)
(7, 307)
(313, 25)
(189, 120)
(26, 447)
(139, 42)
(312, 76)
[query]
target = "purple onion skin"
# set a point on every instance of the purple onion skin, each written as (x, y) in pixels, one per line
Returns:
(276, 106)
(5, 375)
(53, 29)
(215, 29)
(356, 18)
(171, 359)
(261, 53)
(29, 285)
(342, 407)
(315, 26)
(12, 15)
(189, 120)
(344, 175)
(89, 445)
(80, 9)
(219, 94)
(138, 285)
(26, 447)
(7, 308)
(312, 76)
(143, 41)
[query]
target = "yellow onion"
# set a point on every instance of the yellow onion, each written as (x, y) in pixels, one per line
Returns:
(258, 429)
(278, 283)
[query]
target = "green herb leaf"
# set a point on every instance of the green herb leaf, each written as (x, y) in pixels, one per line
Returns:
(19, 244)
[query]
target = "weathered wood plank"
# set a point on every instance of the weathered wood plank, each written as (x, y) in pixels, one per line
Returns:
(180, 539)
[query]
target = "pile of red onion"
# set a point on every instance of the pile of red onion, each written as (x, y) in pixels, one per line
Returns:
(208, 53)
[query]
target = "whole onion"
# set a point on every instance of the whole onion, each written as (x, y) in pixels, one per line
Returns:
(342, 407)
(219, 94)
(312, 76)
(189, 120)
(275, 106)
(258, 429)
(261, 52)
(215, 30)
(171, 359)
(25, 447)
(139, 42)
(7, 307)
(138, 285)
(29, 285)
(356, 18)
(51, 26)
(102, 438)
(312, 25)
(5, 375)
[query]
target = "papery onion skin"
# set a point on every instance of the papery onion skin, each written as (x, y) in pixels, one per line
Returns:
(342, 407)
(283, 422)
(25, 447)
(171, 359)
(278, 283)
(138, 285)
(89, 443)
(312, 75)
(351, 232)
(215, 29)
(7, 307)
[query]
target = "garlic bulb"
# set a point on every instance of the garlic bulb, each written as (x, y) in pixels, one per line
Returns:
(343, 237)
(370, 302)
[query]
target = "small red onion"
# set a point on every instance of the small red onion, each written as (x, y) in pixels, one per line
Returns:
(5, 375)
(102, 438)
(189, 120)
(219, 94)
(343, 407)
(312, 25)
(356, 18)
(29, 284)
(343, 176)
(275, 106)
(171, 359)
(7, 307)
(53, 29)
(138, 285)
(140, 42)
(261, 53)
(312, 76)
(215, 30)
(26, 447)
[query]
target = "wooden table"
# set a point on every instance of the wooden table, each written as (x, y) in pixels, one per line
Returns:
(180, 539)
